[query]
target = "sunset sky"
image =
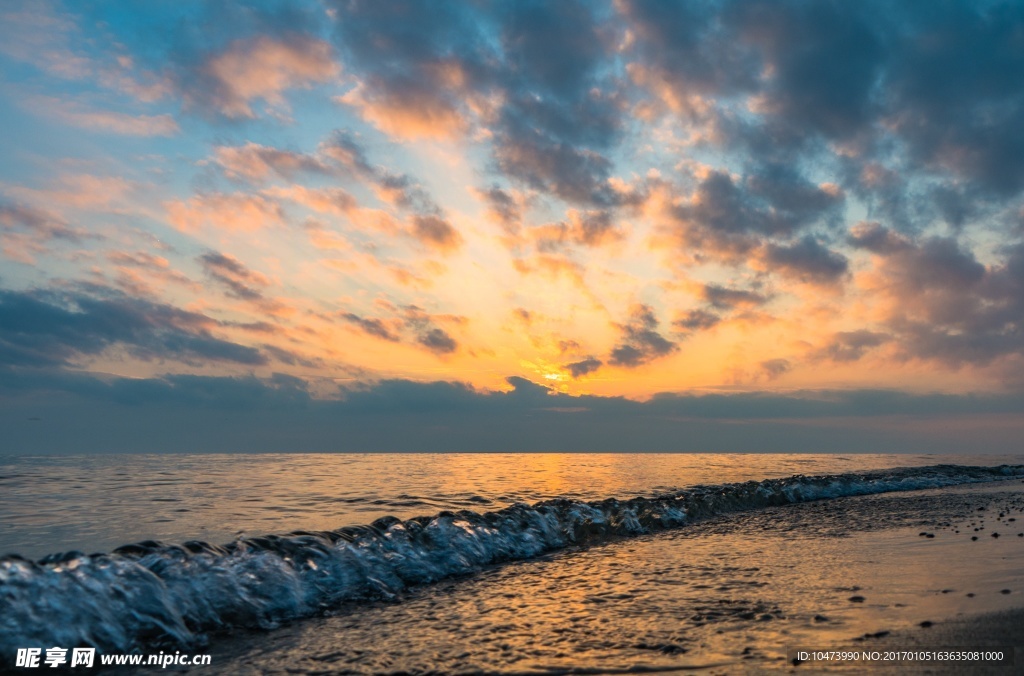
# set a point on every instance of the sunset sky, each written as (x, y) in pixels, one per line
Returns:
(480, 225)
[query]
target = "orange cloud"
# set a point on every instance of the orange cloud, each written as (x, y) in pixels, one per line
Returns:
(88, 192)
(408, 114)
(254, 162)
(264, 68)
(334, 201)
(224, 211)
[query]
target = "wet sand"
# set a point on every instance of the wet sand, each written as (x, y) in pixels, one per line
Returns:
(1003, 630)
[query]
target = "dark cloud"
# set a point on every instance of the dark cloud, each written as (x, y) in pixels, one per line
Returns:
(410, 324)
(246, 414)
(291, 358)
(504, 207)
(808, 261)
(696, 320)
(850, 346)
(687, 47)
(240, 282)
(39, 223)
(954, 90)
(641, 342)
(44, 329)
(228, 60)
(877, 238)
(421, 67)
(773, 368)
(414, 57)
(823, 61)
(575, 174)
(584, 367)
(372, 326)
(437, 341)
(732, 217)
(344, 149)
(436, 232)
(587, 228)
(255, 163)
(429, 225)
(724, 298)
(944, 305)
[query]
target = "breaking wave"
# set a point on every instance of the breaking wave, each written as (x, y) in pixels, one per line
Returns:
(153, 594)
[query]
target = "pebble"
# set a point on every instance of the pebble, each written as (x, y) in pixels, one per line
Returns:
(926, 624)
(857, 599)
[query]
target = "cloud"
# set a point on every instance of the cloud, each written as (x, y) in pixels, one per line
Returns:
(584, 367)
(685, 48)
(588, 228)
(412, 325)
(729, 217)
(954, 95)
(436, 233)
(538, 87)
(822, 63)
(696, 320)
(774, 368)
(807, 260)
(248, 414)
(437, 341)
(263, 68)
(851, 346)
(334, 201)
(237, 211)
(240, 282)
(47, 226)
(724, 298)
(641, 342)
(406, 110)
(577, 175)
(140, 273)
(69, 192)
(502, 206)
(373, 326)
(940, 304)
(418, 65)
(255, 163)
(40, 329)
(27, 232)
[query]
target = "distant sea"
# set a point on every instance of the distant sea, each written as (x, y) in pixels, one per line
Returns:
(524, 563)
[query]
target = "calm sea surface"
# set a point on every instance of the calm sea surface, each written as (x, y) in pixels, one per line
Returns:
(53, 504)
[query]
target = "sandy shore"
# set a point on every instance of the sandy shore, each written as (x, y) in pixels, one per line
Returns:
(1003, 630)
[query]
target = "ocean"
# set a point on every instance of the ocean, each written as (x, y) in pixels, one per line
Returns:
(512, 563)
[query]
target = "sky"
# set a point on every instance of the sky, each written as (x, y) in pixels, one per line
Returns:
(484, 225)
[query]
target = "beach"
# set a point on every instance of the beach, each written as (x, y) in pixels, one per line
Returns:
(519, 563)
(720, 578)
(733, 596)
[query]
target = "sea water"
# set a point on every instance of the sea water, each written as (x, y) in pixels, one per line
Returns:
(576, 560)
